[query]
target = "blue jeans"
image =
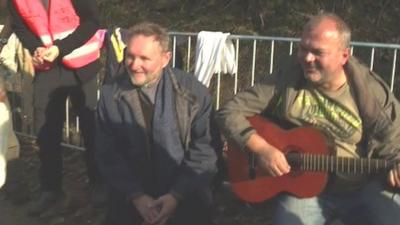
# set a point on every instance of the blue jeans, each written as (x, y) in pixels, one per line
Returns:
(372, 204)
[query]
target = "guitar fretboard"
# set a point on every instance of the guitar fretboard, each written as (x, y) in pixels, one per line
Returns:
(324, 163)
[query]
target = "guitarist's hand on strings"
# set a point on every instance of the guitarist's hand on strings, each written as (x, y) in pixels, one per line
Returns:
(394, 176)
(270, 158)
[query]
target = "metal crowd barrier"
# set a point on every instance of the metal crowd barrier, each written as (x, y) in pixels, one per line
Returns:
(255, 56)
(380, 57)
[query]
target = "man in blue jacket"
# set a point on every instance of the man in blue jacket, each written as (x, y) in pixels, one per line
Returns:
(155, 145)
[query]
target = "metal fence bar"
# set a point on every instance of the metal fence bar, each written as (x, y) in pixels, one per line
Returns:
(189, 48)
(218, 91)
(253, 63)
(77, 124)
(235, 88)
(291, 48)
(67, 118)
(371, 64)
(174, 51)
(393, 70)
(63, 144)
(271, 60)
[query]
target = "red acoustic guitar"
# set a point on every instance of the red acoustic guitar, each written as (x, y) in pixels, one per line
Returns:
(306, 151)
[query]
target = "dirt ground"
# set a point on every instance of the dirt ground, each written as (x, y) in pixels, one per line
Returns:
(22, 188)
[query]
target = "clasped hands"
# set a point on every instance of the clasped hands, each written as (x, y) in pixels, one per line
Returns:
(155, 211)
(45, 54)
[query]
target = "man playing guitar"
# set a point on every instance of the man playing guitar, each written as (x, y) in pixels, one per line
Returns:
(327, 89)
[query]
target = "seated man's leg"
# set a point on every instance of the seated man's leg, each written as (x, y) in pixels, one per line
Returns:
(120, 211)
(292, 210)
(196, 209)
(381, 204)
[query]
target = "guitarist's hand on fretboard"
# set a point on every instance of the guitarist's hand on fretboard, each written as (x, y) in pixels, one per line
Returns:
(270, 159)
(394, 176)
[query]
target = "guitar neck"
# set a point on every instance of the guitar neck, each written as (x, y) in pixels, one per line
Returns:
(326, 163)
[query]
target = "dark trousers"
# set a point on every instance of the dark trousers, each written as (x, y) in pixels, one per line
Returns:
(196, 209)
(51, 89)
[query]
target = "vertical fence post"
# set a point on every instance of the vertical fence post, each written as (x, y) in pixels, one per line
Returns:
(371, 65)
(253, 63)
(188, 53)
(271, 60)
(393, 70)
(235, 88)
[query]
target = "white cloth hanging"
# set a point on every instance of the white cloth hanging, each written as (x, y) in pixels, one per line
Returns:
(214, 54)
(4, 132)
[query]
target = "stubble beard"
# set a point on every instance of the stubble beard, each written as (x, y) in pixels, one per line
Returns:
(145, 79)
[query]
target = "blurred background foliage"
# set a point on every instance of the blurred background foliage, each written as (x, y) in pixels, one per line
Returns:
(370, 20)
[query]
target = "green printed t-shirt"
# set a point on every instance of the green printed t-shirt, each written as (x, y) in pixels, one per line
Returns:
(336, 114)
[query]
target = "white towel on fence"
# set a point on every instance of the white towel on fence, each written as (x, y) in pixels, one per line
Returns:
(214, 54)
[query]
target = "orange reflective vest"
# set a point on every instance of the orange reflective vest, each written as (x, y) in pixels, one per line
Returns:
(55, 24)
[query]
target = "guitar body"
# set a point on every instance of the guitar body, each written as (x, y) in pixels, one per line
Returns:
(261, 186)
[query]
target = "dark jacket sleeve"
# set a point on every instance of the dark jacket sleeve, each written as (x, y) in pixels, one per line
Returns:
(28, 39)
(89, 16)
(199, 164)
(113, 166)
(385, 139)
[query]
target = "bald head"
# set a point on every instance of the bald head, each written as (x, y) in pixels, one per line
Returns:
(332, 25)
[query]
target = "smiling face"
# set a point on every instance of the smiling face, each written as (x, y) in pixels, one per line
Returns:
(145, 59)
(322, 55)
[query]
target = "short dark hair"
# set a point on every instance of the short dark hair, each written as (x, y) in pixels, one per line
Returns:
(151, 29)
(341, 26)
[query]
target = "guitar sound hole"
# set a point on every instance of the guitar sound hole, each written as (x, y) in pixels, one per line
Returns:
(294, 159)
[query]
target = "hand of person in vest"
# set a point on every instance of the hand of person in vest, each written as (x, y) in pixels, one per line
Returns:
(37, 57)
(394, 176)
(51, 53)
(44, 57)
